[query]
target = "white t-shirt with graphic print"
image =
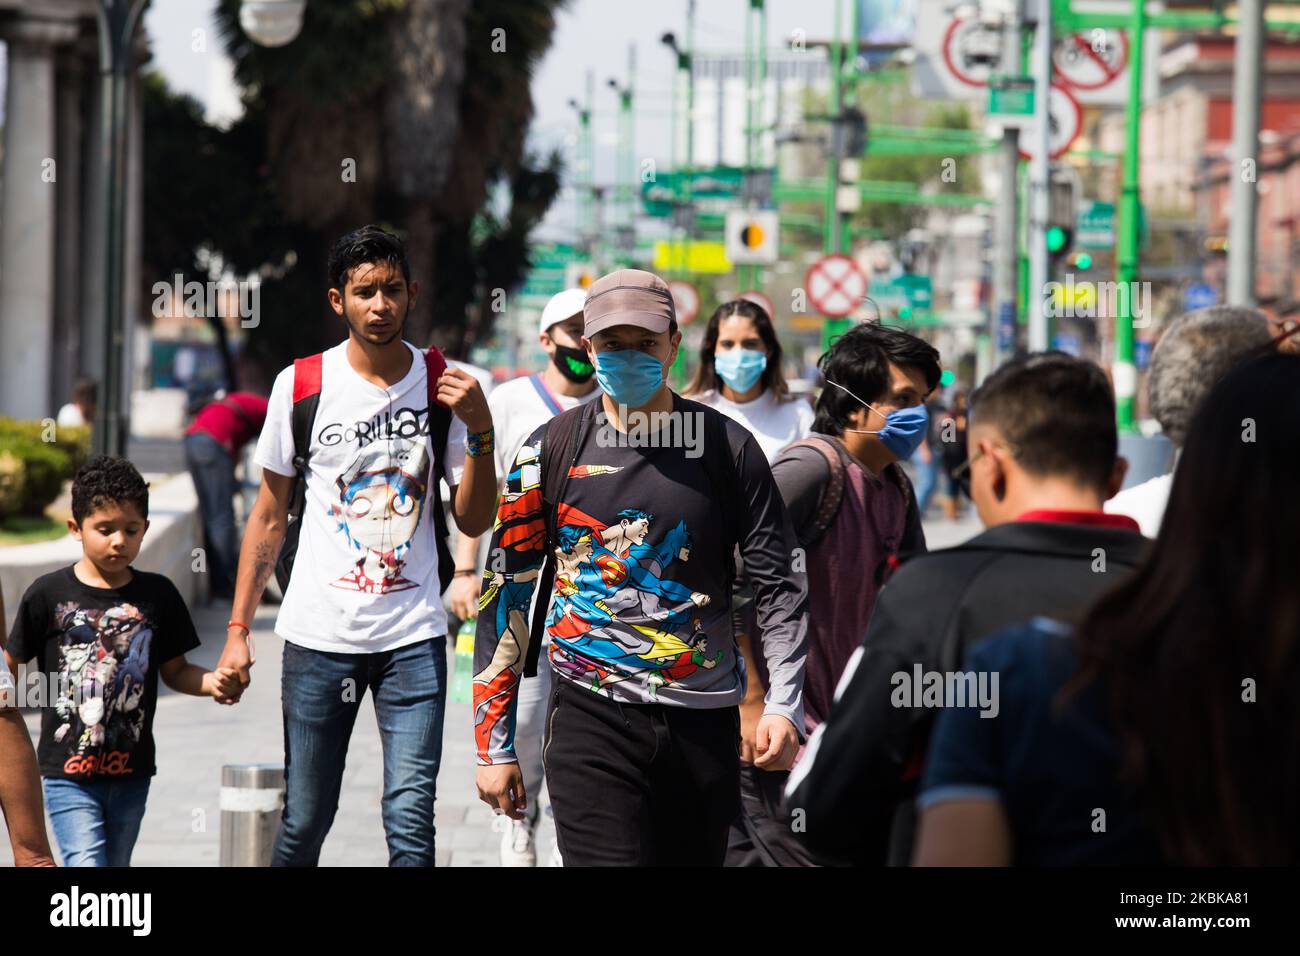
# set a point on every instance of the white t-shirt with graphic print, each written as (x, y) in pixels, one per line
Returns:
(365, 578)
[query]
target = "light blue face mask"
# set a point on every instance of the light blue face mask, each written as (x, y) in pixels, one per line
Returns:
(740, 368)
(629, 376)
(904, 427)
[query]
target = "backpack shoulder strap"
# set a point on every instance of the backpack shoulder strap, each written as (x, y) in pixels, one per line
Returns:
(306, 399)
(561, 442)
(832, 495)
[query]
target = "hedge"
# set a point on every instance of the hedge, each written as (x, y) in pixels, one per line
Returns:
(32, 468)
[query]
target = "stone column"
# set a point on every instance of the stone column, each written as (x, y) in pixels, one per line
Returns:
(71, 134)
(28, 207)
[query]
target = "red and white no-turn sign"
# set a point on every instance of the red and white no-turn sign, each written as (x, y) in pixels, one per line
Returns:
(686, 301)
(1092, 59)
(835, 285)
(1064, 124)
(760, 300)
(972, 50)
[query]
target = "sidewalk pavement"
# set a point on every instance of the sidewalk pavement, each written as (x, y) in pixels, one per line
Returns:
(196, 737)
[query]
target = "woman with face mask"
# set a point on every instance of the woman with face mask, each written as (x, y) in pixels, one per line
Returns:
(740, 375)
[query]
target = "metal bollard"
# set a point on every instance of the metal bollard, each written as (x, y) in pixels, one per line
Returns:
(252, 796)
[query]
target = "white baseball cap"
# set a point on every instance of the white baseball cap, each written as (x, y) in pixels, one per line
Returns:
(563, 305)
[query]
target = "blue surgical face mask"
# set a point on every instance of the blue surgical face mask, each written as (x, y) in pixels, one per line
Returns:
(904, 427)
(740, 368)
(629, 376)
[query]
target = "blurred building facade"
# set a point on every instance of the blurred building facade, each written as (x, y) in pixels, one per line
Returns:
(52, 185)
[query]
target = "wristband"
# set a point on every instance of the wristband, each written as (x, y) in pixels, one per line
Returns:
(232, 623)
(478, 444)
(461, 572)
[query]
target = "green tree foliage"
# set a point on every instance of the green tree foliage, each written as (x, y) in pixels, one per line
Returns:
(409, 113)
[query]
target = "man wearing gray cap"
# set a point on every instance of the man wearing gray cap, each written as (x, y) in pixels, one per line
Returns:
(520, 407)
(631, 509)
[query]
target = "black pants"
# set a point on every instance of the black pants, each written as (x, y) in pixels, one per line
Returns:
(640, 784)
(766, 833)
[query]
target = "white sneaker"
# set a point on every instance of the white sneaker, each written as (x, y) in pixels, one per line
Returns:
(517, 844)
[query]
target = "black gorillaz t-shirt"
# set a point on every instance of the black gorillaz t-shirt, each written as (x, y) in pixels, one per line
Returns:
(99, 651)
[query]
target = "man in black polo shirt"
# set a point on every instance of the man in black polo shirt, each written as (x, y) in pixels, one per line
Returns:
(1043, 457)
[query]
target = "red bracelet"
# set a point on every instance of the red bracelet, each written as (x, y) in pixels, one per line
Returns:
(246, 628)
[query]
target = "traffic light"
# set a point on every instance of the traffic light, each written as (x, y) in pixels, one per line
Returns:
(1081, 261)
(1059, 240)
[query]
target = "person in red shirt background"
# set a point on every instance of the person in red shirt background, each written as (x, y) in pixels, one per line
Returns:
(212, 443)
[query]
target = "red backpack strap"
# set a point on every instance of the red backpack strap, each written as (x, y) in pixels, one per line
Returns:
(306, 377)
(434, 365)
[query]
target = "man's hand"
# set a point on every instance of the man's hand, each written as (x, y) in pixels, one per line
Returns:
(237, 656)
(751, 712)
(461, 392)
(463, 595)
(501, 787)
(777, 743)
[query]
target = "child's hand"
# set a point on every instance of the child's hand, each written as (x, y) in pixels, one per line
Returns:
(223, 685)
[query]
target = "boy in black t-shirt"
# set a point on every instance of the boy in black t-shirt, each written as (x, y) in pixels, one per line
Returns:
(101, 633)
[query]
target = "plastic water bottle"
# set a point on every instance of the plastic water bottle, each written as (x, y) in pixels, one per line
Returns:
(462, 677)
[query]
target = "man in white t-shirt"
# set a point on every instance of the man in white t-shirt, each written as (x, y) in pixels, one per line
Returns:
(519, 407)
(362, 608)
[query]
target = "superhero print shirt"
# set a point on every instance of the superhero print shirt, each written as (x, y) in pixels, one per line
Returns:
(641, 604)
(97, 654)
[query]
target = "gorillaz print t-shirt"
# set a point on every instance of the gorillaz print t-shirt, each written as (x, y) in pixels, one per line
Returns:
(99, 651)
(365, 578)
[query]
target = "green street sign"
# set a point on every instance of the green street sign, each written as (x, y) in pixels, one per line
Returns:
(1010, 96)
(1095, 225)
(711, 182)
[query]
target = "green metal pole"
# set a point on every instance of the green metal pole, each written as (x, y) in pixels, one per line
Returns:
(830, 239)
(1122, 370)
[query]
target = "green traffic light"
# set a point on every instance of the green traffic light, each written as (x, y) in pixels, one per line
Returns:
(947, 377)
(1055, 239)
(1083, 261)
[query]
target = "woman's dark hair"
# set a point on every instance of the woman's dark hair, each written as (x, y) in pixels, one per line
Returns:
(859, 361)
(361, 246)
(105, 480)
(1199, 649)
(706, 375)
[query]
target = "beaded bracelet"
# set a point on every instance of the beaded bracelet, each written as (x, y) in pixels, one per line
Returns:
(478, 444)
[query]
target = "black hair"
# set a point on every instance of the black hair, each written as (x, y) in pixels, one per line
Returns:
(1056, 411)
(106, 480)
(706, 375)
(1214, 603)
(859, 360)
(369, 244)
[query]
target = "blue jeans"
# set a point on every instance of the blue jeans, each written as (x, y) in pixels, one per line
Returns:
(213, 473)
(320, 708)
(929, 475)
(96, 822)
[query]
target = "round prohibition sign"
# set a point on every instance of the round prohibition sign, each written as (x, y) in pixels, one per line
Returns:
(972, 50)
(1064, 123)
(760, 300)
(1083, 63)
(835, 285)
(686, 301)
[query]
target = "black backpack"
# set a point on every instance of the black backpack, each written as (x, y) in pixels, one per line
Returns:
(568, 431)
(306, 399)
